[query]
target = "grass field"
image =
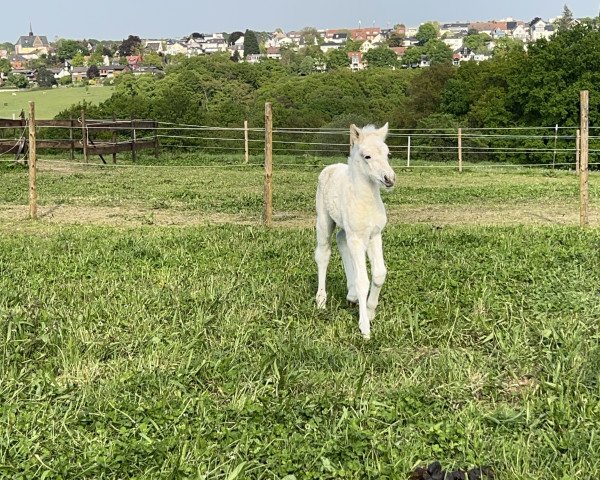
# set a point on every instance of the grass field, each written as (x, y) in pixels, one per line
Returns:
(48, 103)
(151, 328)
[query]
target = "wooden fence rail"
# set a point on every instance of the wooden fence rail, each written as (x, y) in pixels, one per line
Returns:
(81, 133)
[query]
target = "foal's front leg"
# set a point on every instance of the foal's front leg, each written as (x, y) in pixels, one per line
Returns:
(378, 272)
(357, 249)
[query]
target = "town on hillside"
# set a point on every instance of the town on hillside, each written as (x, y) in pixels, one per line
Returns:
(34, 61)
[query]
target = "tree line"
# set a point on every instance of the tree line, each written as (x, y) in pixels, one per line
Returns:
(530, 88)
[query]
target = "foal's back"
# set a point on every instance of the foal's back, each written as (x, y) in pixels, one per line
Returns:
(330, 191)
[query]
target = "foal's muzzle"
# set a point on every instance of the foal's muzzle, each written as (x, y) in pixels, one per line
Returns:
(389, 180)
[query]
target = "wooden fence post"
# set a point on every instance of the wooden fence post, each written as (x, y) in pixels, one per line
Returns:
(583, 167)
(246, 154)
(268, 187)
(72, 153)
(577, 150)
(84, 136)
(408, 152)
(114, 138)
(156, 144)
(133, 141)
(32, 163)
(460, 149)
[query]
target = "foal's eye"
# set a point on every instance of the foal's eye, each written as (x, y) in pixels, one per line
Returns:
(367, 157)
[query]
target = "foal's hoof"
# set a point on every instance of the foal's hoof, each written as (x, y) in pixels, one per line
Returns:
(366, 336)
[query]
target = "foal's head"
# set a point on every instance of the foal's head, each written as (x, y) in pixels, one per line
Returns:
(370, 154)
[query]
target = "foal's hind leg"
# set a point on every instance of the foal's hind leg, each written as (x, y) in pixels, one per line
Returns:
(325, 226)
(342, 244)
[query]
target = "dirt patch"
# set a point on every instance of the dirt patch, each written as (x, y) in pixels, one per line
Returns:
(442, 215)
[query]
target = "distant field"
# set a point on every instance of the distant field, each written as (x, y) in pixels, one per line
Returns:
(49, 103)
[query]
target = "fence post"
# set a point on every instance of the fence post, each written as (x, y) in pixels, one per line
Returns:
(114, 138)
(246, 155)
(583, 167)
(268, 187)
(156, 144)
(408, 153)
(555, 140)
(32, 163)
(577, 150)
(460, 149)
(84, 136)
(133, 141)
(71, 125)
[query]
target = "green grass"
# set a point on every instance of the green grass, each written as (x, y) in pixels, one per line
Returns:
(48, 103)
(196, 351)
(172, 353)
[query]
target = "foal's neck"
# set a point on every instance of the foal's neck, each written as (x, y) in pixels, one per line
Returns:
(363, 185)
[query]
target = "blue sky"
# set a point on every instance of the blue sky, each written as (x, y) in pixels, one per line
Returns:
(116, 19)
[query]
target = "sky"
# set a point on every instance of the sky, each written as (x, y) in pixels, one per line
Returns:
(116, 19)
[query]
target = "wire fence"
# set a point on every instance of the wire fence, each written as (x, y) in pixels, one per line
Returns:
(179, 146)
(531, 146)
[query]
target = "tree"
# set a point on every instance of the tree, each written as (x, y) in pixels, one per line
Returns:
(18, 80)
(438, 52)
(78, 60)
(307, 65)
(93, 72)
(250, 43)
(396, 40)
(130, 46)
(97, 57)
(381, 57)
(310, 36)
(67, 49)
(337, 58)
(45, 78)
(234, 37)
(412, 56)
(153, 59)
(5, 67)
(427, 31)
(566, 19)
(477, 42)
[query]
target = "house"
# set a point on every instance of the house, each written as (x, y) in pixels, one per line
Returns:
(278, 39)
(17, 61)
(215, 43)
(538, 28)
(134, 61)
(195, 46)
(356, 61)
(521, 32)
(274, 53)
(32, 46)
(362, 34)
(328, 46)
(112, 71)
(78, 74)
(399, 51)
(489, 27)
(453, 42)
(156, 46)
(255, 57)
(3, 53)
(29, 73)
(454, 29)
(176, 48)
(237, 46)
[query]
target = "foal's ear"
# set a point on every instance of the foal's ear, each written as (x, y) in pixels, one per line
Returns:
(383, 131)
(354, 134)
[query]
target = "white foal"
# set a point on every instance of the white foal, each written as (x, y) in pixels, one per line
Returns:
(348, 195)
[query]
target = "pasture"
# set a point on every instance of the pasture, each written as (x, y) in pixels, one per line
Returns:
(50, 102)
(151, 328)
